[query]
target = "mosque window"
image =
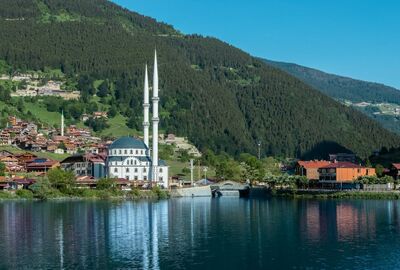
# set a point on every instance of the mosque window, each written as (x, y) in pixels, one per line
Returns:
(136, 170)
(160, 178)
(120, 152)
(160, 170)
(131, 152)
(137, 152)
(115, 170)
(126, 152)
(145, 178)
(127, 170)
(136, 178)
(144, 170)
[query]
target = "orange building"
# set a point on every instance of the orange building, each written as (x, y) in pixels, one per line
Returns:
(310, 169)
(343, 172)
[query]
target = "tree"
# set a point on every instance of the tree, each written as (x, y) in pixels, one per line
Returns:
(61, 180)
(105, 184)
(20, 105)
(379, 170)
(62, 146)
(184, 155)
(2, 169)
(97, 124)
(103, 89)
(166, 151)
(112, 112)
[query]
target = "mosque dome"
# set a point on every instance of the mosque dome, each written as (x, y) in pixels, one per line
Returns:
(128, 143)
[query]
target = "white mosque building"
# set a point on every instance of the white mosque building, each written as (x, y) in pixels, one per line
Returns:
(132, 159)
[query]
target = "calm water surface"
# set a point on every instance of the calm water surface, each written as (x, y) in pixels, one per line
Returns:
(201, 233)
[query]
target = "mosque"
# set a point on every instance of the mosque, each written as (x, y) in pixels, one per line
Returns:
(132, 159)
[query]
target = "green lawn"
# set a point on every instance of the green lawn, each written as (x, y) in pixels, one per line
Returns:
(40, 112)
(118, 128)
(175, 168)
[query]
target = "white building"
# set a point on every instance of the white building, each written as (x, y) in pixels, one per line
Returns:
(130, 158)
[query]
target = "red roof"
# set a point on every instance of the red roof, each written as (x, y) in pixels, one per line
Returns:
(396, 165)
(342, 164)
(313, 164)
(47, 163)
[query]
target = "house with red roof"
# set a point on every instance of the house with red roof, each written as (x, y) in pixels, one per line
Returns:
(42, 165)
(310, 168)
(341, 172)
(395, 171)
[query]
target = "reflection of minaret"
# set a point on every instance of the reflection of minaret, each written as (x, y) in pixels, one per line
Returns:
(146, 107)
(62, 123)
(155, 119)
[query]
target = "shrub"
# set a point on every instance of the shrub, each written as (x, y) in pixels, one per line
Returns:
(24, 193)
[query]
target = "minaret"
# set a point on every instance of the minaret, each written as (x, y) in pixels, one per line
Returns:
(62, 123)
(146, 106)
(155, 119)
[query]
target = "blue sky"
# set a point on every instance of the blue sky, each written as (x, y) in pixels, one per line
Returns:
(355, 38)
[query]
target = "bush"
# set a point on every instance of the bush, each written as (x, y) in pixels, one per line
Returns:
(160, 194)
(105, 184)
(24, 193)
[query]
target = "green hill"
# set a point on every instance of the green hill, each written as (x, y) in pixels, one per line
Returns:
(219, 96)
(339, 87)
(350, 90)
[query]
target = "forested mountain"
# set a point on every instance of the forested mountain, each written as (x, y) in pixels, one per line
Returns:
(346, 89)
(340, 87)
(217, 95)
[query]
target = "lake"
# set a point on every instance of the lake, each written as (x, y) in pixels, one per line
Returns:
(201, 233)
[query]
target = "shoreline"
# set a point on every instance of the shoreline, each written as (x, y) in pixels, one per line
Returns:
(336, 194)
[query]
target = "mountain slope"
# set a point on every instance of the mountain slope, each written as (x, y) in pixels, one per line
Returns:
(217, 95)
(353, 91)
(340, 87)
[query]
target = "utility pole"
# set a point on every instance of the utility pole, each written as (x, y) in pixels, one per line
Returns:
(259, 149)
(191, 172)
(205, 172)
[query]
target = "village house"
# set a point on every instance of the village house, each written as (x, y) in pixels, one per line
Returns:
(41, 165)
(310, 169)
(340, 172)
(92, 165)
(394, 171)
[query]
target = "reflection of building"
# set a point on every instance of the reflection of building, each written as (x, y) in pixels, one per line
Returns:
(353, 221)
(343, 172)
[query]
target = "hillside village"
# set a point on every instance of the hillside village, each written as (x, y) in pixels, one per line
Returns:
(31, 85)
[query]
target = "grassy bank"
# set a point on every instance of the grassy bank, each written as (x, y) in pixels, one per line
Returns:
(54, 194)
(328, 194)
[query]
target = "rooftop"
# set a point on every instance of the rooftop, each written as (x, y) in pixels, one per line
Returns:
(342, 165)
(314, 164)
(128, 142)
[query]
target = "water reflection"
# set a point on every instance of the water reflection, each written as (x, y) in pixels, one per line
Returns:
(200, 233)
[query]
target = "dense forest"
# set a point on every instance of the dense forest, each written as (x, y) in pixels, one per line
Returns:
(339, 87)
(219, 96)
(347, 89)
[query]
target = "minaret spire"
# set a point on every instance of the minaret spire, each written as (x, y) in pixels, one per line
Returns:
(155, 119)
(146, 106)
(62, 123)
